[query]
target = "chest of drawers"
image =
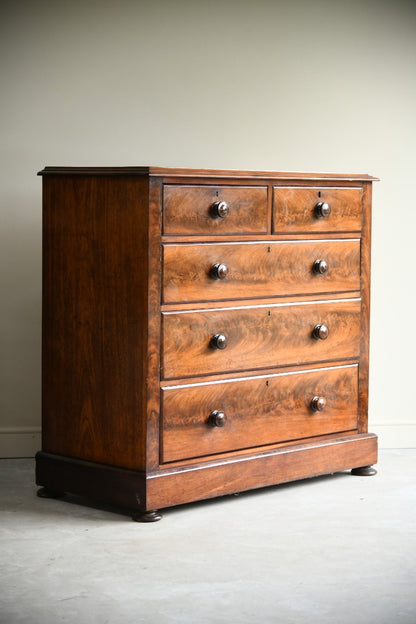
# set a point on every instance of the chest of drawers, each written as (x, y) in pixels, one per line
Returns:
(205, 332)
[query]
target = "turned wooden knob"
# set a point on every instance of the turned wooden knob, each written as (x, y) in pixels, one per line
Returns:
(218, 341)
(318, 404)
(320, 267)
(219, 271)
(219, 209)
(217, 418)
(320, 332)
(322, 209)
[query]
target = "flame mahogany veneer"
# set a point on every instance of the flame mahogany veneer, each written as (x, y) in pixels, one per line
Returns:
(205, 332)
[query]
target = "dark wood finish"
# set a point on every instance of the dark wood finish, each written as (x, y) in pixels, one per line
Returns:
(151, 433)
(364, 471)
(206, 174)
(322, 209)
(218, 341)
(48, 493)
(219, 270)
(258, 337)
(148, 516)
(318, 404)
(269, 269)
(217, 419)
(365, 310)
(320, 332)
(95, 275)
(101, 482)
(189, 210)
(179, 357)
(320, 267)
(219, 209)
(260, 469)
(294, 209)
(273, 409)
(137, 491)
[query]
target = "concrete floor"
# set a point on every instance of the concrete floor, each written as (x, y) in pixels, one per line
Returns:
(338, 549)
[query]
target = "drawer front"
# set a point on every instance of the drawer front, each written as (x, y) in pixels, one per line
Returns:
(212, 418)
(295, 210)
(258, 337)
(191, 210)
(270, 269)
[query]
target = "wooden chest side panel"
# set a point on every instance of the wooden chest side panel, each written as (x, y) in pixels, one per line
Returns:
(95, 283)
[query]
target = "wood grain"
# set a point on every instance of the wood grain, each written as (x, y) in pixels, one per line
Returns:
(95, 237)
(274, 409)
(260, 469)
(293, 209)
(258, 337)
(136, 490)
(206, 174)
(186, 210)
(365, 311)
(129, 376)
(150, 438)
(96, 481)
(269, 269)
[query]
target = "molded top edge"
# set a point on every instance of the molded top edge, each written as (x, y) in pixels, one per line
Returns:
(202, 173)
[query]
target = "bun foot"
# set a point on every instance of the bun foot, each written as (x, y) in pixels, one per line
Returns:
(48, 493)
(364, 471)
(148, 516)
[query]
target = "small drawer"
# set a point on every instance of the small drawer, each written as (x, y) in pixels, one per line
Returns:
(210, 272)
(204, 419)
(301, 210)
(249, 338)
(216, 210)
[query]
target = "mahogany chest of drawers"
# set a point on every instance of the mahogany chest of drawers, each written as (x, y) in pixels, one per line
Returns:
(205, 332)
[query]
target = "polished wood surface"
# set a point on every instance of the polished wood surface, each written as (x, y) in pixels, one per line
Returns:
(269, 269)
(294, 209)
(135, 490)
(258, 337)
(188, 210)
(365, 310)
(274, 409)
(205, 174)
(95, 236)
(204, 331)
(260, 469)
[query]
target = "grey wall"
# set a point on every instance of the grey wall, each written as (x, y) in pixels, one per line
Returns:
(313, 85)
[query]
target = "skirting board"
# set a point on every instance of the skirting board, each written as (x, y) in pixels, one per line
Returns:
(395, 435)
(26, 441)
(20, 441)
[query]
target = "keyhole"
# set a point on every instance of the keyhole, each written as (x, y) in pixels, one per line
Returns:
(319, 193)
(267, 382)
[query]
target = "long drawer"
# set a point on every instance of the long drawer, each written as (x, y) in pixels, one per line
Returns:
(196, 210)
(204, 419)
(234, 339)
(196, 272)
(315, 209)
